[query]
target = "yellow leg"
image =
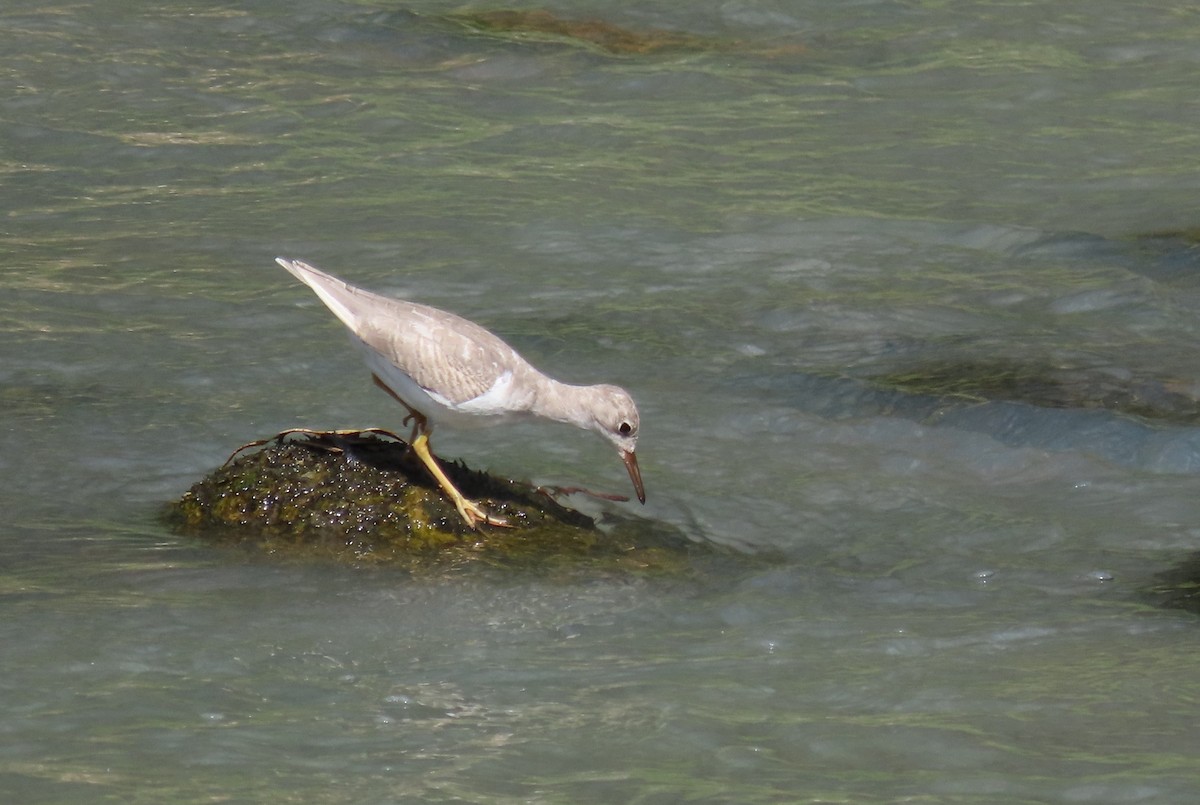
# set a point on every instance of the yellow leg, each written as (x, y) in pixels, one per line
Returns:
(470, 511)
(419, 442)
(414, 416)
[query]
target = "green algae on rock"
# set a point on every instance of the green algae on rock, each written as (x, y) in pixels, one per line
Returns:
(360, 498)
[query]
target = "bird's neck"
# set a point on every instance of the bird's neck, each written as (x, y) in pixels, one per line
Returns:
(564, 402)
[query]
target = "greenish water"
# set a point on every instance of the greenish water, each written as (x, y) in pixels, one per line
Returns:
(958, 603)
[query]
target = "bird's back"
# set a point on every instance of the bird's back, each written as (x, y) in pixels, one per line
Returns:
(451, 357)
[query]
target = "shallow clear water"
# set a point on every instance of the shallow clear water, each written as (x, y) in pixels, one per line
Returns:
(939, 601)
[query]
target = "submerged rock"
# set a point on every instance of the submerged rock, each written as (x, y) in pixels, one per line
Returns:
(362, 498)
(1173, 400)
(1178, 587)
(605, 36)
(1188, 235)
(598, 33)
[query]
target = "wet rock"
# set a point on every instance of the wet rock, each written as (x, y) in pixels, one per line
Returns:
(362, 498)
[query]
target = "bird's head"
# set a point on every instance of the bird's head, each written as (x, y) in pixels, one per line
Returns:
(615, 417)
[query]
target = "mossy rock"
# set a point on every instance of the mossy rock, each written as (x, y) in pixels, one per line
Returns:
(361, 498)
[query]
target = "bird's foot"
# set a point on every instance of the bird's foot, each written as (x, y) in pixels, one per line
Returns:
(474, 514)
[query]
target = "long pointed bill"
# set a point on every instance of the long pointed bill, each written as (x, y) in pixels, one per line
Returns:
(635, 474)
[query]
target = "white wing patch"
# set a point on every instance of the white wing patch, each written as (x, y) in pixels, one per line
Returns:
(496, 400)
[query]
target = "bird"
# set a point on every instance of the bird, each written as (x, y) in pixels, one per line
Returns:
(447, 370)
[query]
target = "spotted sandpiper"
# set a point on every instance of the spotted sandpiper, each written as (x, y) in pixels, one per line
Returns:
(446, 369)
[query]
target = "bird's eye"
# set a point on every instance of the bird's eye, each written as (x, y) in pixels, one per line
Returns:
(625, 429)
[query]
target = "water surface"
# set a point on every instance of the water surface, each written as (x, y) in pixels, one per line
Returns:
(945, 600)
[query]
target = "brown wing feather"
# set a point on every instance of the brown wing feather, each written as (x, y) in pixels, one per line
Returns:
(442, 352)
(446, 354)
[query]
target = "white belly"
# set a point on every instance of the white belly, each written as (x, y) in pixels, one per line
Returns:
(490, 408)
